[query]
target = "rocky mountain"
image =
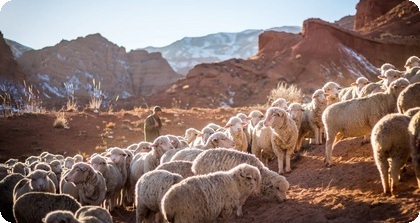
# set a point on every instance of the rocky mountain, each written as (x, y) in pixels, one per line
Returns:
(322, 52)
(17, 48)
(184, 54)
(79, 65)
(346, 22)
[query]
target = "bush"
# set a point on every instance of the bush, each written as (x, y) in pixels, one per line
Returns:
(60, 121)
(289, 92)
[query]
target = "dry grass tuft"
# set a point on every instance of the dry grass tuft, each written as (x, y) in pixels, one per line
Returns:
(60, 121)
(289, 92)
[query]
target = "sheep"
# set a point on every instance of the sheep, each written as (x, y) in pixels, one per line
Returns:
(186, 154)
(56, 168)
(205, 133)
(390, 140)
(150, 189)
(6, 195)
(180, 167)
(69, 162)
(358, 116)
(273, 185)
(47, 157)
(60, 216)
(413, 74)
(409, 98)
(31, 159)
(235, 128)
(191, 135)
(387, 78)
(4, 171)
(113, 179)
(218, 139)
(51, 175)
(414, 134)
(176, 142)
(34, 206)
(295, 111)
(284, 134)
(78, 158)
(254, 117)
(412, 111)
(311, 118)
(21, 168)
(214, 126)
(143, 147)
(280, 102)
(10, 162)
(385, 67)
(122, 160)
(91, 213)
(331, 90)
(217, 195)
(354, 90)
(37, 180)
(167, 156)
(90, 184)
(411, 62)
(261, 142)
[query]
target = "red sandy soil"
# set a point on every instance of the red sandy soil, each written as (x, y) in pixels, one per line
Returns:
(350, 191)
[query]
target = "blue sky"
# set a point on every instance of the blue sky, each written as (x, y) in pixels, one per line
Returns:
(140, 23)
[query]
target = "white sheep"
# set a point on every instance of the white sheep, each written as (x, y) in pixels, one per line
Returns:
(273, 185)
(91, 213)
(186, 154)
(78, 158)
(176, 142)
(6, 195)
(357, 117)
(60, 216)
(205, 133)
(191, 135)
(414, 134)
(69, 162)
(32, 159)
(235, 128)
(411, 62)
(150, 189)
(385, 67)
(37, 180)
(387, 78)
(390, 140)
(354, 90)
(261, 142)
(413, 74)
(253, 118)
(279, 102)
(54, 178)
(141, 147)
(312, 118)
(90, 184)
(284, 134)
(331, 90)
(216, 195)
(214, 126)
(180, 167)
(34, 206)
(295, 111)
(113, 179)
(216, 140)
(409, 98)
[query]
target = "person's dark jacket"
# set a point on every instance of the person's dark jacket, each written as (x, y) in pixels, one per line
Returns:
(150, 131)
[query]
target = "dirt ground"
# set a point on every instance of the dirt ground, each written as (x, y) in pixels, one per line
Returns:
(350, 191)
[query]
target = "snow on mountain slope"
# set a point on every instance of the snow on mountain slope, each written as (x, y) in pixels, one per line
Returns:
(184, 54)
(17, 48)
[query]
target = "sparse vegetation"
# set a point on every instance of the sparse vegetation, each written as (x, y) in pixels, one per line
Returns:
(32, 101)
(71, 104)
(60, 121)
(96, 97)
(289, 92)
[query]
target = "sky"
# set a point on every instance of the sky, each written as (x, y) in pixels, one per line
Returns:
(137, 24)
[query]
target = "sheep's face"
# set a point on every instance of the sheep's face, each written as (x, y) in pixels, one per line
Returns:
(143, 147)
(295, 111)
(412, 62)
(219, 139)
(361, 82)
(274, 116)
(117, 155)
(273, 185)
(79, 173)
(390, 75)
(38, 180)
(385, 67)
(161, 145)
(56, 167)
(99, 164)
(235, 125)
(280, 102)
(320, 96)
(332, 89)
(69, 162)
(256, 116)
(249, 176)
(398, 85)
(191, 134)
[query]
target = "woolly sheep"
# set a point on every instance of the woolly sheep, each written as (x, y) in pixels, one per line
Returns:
(10, 162)
(312, 118)
(354, 90)
(180, 167)
(34, 206)
(295, 111)
(254, 117)
(284, 135)
(273, 185)
(21, 168)
(187, 154)
(216, 195)
(409, 98)
(113, 179)
(261, 142)
(245, 119)
(176, 142)
(205, 133)
(90, 213)
(54, 178)
(143, 147)
(56, 168)
(37, 180)
(413, 74)
(60, 216)
(167, 156)
(214, 126)
(69, 162)
(68, 187)
(331, 90)
(78, 158)
(412, 111)
(150, 189)
(387, 78)
(414, 134)
(412, 61)
(235, 128)
(358, 116)
(390, 140)
(216, 140)
(4, 171)
(31, 159)
(90, 184)
(385, 67)
(190, 135)
(6, 195)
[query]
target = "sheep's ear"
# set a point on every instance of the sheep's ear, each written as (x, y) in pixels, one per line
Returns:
(353, 84)
(381, 77)
(244, 123)
(327, 94)
(200, 134)
(248, 118)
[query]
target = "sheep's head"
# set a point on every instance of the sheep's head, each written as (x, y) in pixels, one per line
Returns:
(385, 67)
(242, 116)
(69, 162)
(235, 125)
(60, 216)
(390, 75)
(319, 96)
(360, 83)
(412, 62)
(249, 176)
(191, 134)
(220, 139)
(42, 166)
(78, 158)
(331, 89)
(398, 85)
(80, 173)
(280, 102)
(295, 111)
(117, 155)
(31, 160)
(99, 163)
(275, 116)
(143, 147)
(273, 185)
(255, 116)
(161, 145)
(38, 180)
(206, 132)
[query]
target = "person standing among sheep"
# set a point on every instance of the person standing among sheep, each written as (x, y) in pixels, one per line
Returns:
(153, 125)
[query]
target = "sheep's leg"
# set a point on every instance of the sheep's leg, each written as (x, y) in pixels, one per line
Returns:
(280, 160)
(288, 154)
(396, 165)
(383, 166)
(416, 167)
(329, 146)
(316, 133)
(321, 131)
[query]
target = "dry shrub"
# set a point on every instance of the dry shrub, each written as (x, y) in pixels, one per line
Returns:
(60, 121)
(289, 92)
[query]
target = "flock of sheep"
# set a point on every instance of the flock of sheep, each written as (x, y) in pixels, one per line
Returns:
(207, 175)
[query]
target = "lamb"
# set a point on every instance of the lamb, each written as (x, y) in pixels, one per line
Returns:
(409, 98)
(217, 195)
(414, 134)
(38, 180)
(390, 140)
(331, 90)
(280, 102)
(273, 185)
(261, 142)
(90, 184)
(311, 118)
(180, 167)
(216, 140)
(235, 128)
(354, 90)
(385, 67)
(358, 116)
(113, 179)
(150, 189)
(6, 195)
(34, 206)
(191, 135)
(284, 134)
(91, 213)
